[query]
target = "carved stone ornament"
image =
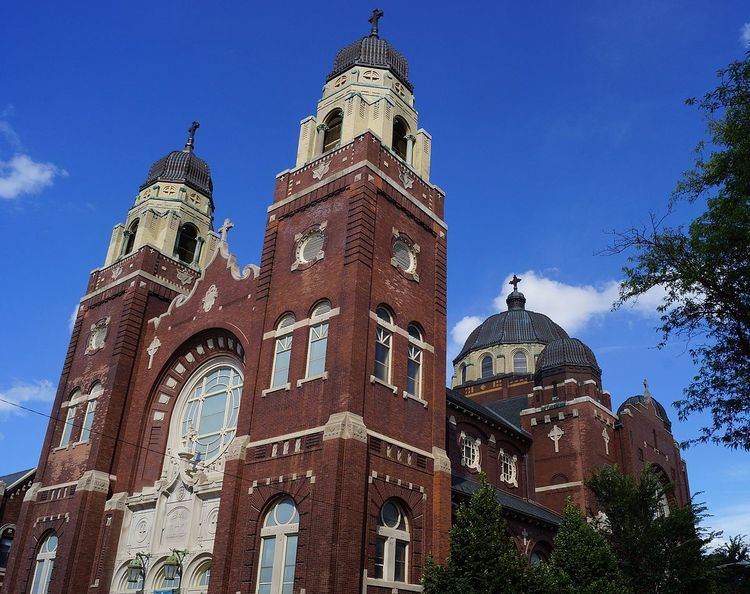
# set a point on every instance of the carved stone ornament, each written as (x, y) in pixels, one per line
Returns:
(321, 169)
(116, 272)
(185, 277)
(93, 480)
(151, 350)
(442, 462)
(97, 336)
(406, 179)
(210, 298)
(345, 425)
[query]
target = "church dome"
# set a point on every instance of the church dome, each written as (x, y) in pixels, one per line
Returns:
(183, 167)
(372, 51)
(515, 326)
(566, 351)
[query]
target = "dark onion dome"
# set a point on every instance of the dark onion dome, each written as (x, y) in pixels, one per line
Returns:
(515, 326)
(642, 400)
(372, 51)
(183, 167)
(566, 352)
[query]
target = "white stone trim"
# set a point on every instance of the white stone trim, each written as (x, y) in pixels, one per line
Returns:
(375, 380)
(399, 444)
(285, 437)
(284, 387)
(321, 376)
(558, 486)
(345, 425)
(94, 480)
(421, 401)
(531, 411)
(398, 330)
(302, 323)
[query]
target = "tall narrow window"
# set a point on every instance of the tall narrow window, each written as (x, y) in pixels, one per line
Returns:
(6, 540)
(464, 373)
(88, 420)
(520, 363)
(400, 131)
(332, 136)
(414, 363)
(392, 544)
(45, 562)
(487, 370)
(130, 237)
(283, 352)
(278, 549)
(187, 243)
(318, 340)
(383, 338)
(68, 427)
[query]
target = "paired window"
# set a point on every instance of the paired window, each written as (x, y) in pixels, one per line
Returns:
(414, 363)
(283, 352)
(470, 453)
(332, 135)
(487, 370)
(45, 562)
(392, 544)
(278, 548)
(209, 418)
(383, 340)
(520, 362)
(318, 340)
(186, 246)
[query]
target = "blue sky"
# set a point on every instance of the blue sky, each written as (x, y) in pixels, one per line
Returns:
(552, 123)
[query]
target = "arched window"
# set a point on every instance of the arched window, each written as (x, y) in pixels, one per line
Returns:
(332, 136)
(186, 247)
(392, 544)
(88, 418)
(520, 363)
(470, 452)
(414, 362)
(508, 468)
(318, 339)
(130, 237)
(464, 373)
(278, 548)
(209, 417)
(6, 540)
(400, 130)
(201, 577)
(163, 584)
(537, 557)
(70, 420)
(283, 352)
(45, 561)
(383, 338)
(487, 370)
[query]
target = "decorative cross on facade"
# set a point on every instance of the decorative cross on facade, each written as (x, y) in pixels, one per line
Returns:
(224, 229)
(525, 535)
(190, 144)
(377, 14)
(555, 434)
(514, 281)
(605, 436)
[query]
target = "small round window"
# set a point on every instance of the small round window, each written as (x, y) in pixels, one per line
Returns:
(310, 247)
(404, 256)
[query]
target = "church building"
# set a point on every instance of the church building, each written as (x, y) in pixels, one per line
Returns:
(285, 428)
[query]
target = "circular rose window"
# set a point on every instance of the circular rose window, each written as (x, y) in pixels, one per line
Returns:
(310, 247)
(404, 256)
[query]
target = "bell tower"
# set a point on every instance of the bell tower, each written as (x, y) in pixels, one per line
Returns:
(173, 211)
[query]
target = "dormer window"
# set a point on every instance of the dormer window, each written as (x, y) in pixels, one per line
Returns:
(332, 130)
(186, 246)
(400, 131)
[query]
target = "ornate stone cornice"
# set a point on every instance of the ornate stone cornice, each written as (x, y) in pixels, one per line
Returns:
(93, 480)
(345, 425)
(237, 449)
(442, 463)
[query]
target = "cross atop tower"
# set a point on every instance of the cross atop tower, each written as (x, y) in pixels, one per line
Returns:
(190, 144)
(514, 281)
(377, 14)
(224, 229)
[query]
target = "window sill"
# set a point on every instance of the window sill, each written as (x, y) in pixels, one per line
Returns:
(77, 443)
(61, 448)
(285, 387)
(321, 376)
(394, 585)
(391, 387)
(415, 398)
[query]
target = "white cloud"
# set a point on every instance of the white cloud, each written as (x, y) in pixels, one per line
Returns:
(731, 520)
(21, 393)
(22, 175)
(571, 306)
(745, 34)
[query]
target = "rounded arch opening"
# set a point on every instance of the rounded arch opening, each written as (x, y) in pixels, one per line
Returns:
(130, 237)
(186, 246)
(333, 125)
(392, 542)
(488, 369)
(400, 132)
(520, 362)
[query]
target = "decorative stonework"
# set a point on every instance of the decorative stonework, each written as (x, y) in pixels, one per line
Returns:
(404, 256)
(32, 492)
(116, 272)
(406, 179)
(97, 335)
(508, 468)
(237, 448)
(310, 246)
(184, 277)
(555, 435)
(442, 463)
(209, 298)
(117, 502)
(321, 169)
(93, 480)
(345, 425)
(605, 436)
(152, 349)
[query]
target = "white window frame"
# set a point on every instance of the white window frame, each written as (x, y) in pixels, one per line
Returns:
(526, 359)
(281, 534)
(318, 332)
(508, 467)
(473, 444)
(283, 344)
(392, 536)
(415, 355)
(88, 421)
(385, 338)
(67, 432)
(47, 559)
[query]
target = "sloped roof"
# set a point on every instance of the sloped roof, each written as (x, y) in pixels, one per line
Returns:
(460, 401)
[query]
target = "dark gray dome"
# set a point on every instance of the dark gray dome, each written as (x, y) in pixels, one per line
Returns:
(661, 412)
(566, 351)
(515, 326)
(372, 51)
(182, 167)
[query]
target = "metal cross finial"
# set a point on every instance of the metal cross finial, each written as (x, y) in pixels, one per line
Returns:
(377, 14)
(190, 144)
(514, 281)
(224, 229)
(646, 391)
